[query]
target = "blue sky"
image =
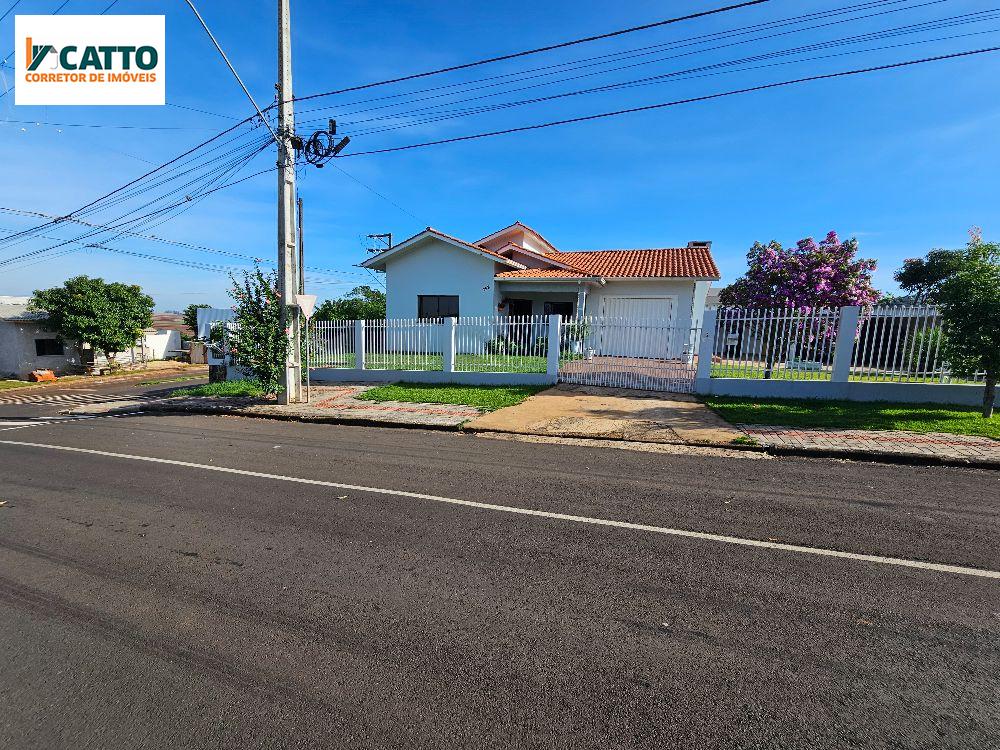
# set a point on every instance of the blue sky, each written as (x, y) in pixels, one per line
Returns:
(904, 160)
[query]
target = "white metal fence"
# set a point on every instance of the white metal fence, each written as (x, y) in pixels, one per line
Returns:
(774, 343)
(903, 345)
(891, 344)
(509, 343)
(649, 354)
(331, 343)
(626, 353)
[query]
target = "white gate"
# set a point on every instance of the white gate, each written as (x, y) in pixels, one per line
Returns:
(644, 353)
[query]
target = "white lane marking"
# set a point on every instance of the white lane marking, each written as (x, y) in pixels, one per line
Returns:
(940, 567)
(46, 421)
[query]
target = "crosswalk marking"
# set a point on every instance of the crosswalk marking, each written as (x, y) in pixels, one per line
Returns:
(67, 398)
(20, 424)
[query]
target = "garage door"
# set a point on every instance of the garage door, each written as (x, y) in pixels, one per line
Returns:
(637, 326)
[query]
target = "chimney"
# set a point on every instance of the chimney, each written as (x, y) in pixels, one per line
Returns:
(707, 244)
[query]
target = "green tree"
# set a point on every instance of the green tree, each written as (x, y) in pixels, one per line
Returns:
(109, 317)
(256, 341)
(361, 303)
(970, 306)
(190, 317)
(922, 277)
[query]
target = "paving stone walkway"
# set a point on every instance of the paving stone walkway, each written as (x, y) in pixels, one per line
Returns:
(338, 402)
(939, 444)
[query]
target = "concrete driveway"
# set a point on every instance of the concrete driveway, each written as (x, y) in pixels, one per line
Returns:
(615, 413)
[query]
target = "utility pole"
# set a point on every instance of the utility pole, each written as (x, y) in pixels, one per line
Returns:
(289, 270)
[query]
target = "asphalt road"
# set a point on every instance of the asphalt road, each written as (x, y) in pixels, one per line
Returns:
(168, 605)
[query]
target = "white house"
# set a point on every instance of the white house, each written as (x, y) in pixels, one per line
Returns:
(516, 271)
(25, 345)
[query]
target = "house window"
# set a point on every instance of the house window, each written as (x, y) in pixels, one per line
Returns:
(437, 305)
(48, 347)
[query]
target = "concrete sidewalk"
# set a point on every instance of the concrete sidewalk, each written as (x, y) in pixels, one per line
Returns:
(612, 413)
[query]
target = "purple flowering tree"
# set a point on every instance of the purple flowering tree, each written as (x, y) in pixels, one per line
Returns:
(811, 275)
(807, 276)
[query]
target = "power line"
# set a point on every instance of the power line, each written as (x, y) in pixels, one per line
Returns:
(184, 204)
(690, 73)
(141, 177)
(650, 50)
(232, 70)
(691, 100)
(376, 192)
(176, 243)
(101, 125)
(10, 9)
(910, 28)
(537, 50)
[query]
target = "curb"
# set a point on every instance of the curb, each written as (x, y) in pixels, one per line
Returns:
(239, 412)
(909, 459)
(867, 456)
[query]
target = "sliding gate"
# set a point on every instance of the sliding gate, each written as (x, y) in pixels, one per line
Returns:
(648, 354)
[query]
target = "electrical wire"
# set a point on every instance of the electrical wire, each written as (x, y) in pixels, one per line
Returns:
(906, 29)
(586, 62)
(690, 100)
(537, 50)
(688, 74)
(164, 240)
(189, 196)
(232, 70)
(101, 125)
(10, 9)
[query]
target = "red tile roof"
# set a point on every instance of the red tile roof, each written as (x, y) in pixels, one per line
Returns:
(667, 262)
(544, 273)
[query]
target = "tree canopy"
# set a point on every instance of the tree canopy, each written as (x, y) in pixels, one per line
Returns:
(922, 277)
(109, 316)
(361, 303)
(190, 316)
(970, 306)
(810, 275)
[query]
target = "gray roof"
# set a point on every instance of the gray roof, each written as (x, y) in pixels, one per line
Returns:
(16, 308)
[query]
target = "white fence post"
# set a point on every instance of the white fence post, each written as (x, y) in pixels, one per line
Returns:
(552, 367)
(359, 344)
(448, 348)
(707, 344)
(843, 354)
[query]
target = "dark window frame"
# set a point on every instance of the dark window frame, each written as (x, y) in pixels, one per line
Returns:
(49, 348)
(429, 306)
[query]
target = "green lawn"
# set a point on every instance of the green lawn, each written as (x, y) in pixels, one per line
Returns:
(756, 372)
(8, 384)
(958, 420)
(180, 379)
(226, 388)
(485, 397)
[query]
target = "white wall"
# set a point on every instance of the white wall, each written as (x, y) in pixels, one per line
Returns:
(17, 350)
(436, 267)
(162, 344)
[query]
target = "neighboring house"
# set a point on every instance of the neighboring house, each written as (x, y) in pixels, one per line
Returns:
(25, 345)
(516, 271)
